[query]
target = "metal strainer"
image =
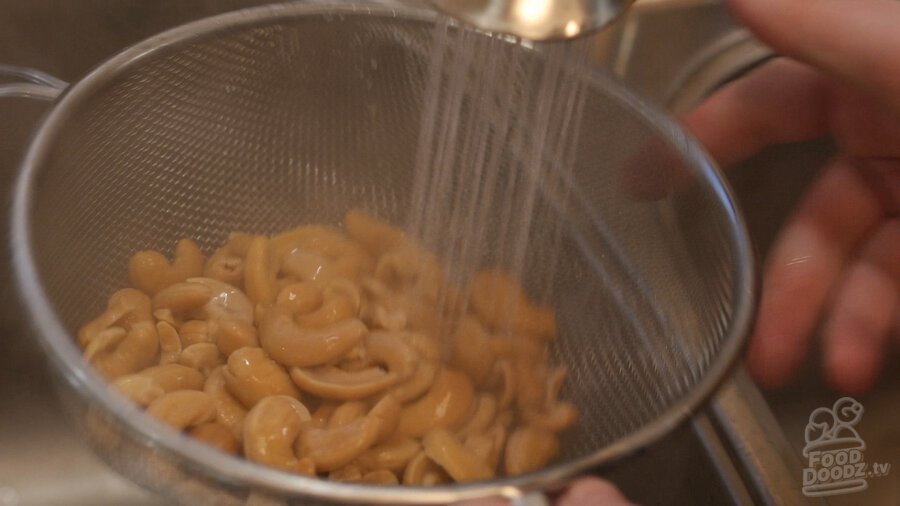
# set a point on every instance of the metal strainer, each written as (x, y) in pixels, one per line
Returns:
(262, 119)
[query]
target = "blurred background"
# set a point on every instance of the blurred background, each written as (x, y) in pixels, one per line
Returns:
(745, 448)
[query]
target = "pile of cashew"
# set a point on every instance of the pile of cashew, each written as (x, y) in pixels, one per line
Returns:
(337, 353)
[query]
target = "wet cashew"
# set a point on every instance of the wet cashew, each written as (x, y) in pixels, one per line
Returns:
(380, 477)
(303, 297)
(376, 236)
(169, 343)
(227, 302)
(104, 341)
(421, 470)
(172, 377)
(348, 474)
(393, 454)
(340, 301)
(135, 350)
(346, 413)
(151, 271)
(418, 384)
(270, 430)
(557, 417)
(529, 449)
(410, 265)
(252, 376)
(472, 350)
(502, 380)
(259, 277)
(334, 448)
(216, 435)
(229, 411)
(125, 308)
(498, 299)
(182, 298)
(398, 359)
(165, 315)
(231, 335)
(226, 267)
(445, 405)
(482, 416)
(489, 445)
(203, 357)
(183, 409)
(460, 463)
(193, 332)
(141, 390)
(322, 414)
(292, 345)
(320, 253)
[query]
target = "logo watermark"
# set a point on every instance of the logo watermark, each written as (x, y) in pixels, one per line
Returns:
(835, 452)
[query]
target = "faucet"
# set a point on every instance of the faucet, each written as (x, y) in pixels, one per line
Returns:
(536, 19)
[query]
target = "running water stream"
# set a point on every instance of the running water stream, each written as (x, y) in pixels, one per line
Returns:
(498, 138)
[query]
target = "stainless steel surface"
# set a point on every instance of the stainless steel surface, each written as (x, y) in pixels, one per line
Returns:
(536, 19)
(151, 119)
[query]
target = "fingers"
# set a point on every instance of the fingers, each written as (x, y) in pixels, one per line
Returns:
(855, 39)
(865, 309)
(838, 212)
(592, 492)
(582, 492)
(782, 101)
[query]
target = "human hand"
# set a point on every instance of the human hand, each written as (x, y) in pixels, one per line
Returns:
(582, 492)
(840, 251)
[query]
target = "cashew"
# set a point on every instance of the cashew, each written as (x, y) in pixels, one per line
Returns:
(389, 319)
(133, 352)
(229, 412)
(409, 265)
(231, 335)
(125, 308)
(502, 381)
(460, 463)
(226, 303)
(350, 473)
(498, 299)
(488, 445)
(292, 345)
(226, 267)
(322, 414)
(340, 301)
(393, 454)
(194, 332)
(141, 390)
(270, 430)
(425, 345)
(320, 253)
(421, 470)
(472, 351)
(331, 382)
(418, 384)
(103, 342)
(165, 315)
(252, 376)
(216, 435)
(183, 409)
(380, 477)
(172, 377)
(203, 357)
(182, 298)
(346, 413)
(169, 343)
(334, 448)
(445, 405)
(529, 449)
(259, 276)
(482, 416)
(558, 417)
(302, 298)
(151, 271)
(376, 236)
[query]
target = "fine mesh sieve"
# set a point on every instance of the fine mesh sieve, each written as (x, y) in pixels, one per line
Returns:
(264, 119)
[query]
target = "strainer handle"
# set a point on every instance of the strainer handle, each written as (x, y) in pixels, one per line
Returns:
(32, 83)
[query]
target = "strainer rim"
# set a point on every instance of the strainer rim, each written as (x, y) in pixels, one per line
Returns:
(59, 344)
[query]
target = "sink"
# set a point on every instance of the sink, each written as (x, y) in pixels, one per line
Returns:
(744, 448)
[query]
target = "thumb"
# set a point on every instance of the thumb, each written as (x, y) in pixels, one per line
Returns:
(857, 40)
